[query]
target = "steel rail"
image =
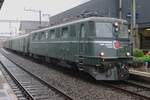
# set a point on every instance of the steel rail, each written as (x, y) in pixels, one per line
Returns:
(27, 95)
(67, 97)
(125, 90)
(137, 84)
(13, 85)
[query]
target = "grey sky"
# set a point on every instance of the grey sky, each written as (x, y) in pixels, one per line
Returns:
(14, 9)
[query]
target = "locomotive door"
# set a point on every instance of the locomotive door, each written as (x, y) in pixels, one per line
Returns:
(82, 33)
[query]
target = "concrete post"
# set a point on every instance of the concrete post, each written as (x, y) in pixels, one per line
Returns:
(133, 23)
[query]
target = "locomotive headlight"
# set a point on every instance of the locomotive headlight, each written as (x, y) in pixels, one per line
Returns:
(129, 31)
(116, 24)
(102, 54)
(128, 53)
(116, 29)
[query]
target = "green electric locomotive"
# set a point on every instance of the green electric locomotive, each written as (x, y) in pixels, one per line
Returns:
(99, 46)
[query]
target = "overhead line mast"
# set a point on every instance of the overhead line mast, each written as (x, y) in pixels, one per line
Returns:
(40, 15)
(133, 23)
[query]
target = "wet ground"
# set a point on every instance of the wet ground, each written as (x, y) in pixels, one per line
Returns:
(6, 92)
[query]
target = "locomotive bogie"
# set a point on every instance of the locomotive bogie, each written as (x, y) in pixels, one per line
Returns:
(110, 74)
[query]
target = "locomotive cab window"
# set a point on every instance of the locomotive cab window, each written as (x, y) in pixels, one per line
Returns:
(123, 28)
(104, 29)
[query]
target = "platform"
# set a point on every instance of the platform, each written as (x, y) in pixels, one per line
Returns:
(142, 73)
(6, 92)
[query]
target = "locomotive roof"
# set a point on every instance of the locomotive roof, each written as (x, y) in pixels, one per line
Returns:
(96, 19)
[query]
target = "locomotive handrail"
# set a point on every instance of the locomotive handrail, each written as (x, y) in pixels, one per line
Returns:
(104, 57)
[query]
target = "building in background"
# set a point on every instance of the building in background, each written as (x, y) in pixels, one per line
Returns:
(20, 27)
(110, 8)
(29, 26)
(107, 8)
(142, 20)
(2, 37)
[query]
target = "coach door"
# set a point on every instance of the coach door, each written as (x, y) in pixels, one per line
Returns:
(82, 34)
(23, 43)
(26, 44)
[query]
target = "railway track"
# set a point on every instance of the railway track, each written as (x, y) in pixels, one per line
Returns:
(31, 86)
(131, 87)
(127, 87)
(14, 87)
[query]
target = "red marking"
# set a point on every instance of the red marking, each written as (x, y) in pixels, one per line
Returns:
(117, 44)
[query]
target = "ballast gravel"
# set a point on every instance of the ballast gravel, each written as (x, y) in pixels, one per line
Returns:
(77, 88)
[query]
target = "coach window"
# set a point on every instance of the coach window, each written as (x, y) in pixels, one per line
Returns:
(104, 30)
(65, 32)
(83, 31)
(52, 33)
(49, 34)
(33, 36)
(43, 36)
(39, 36)
(72, 31)
(46, 34)
(57, 33)
(36, 36)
